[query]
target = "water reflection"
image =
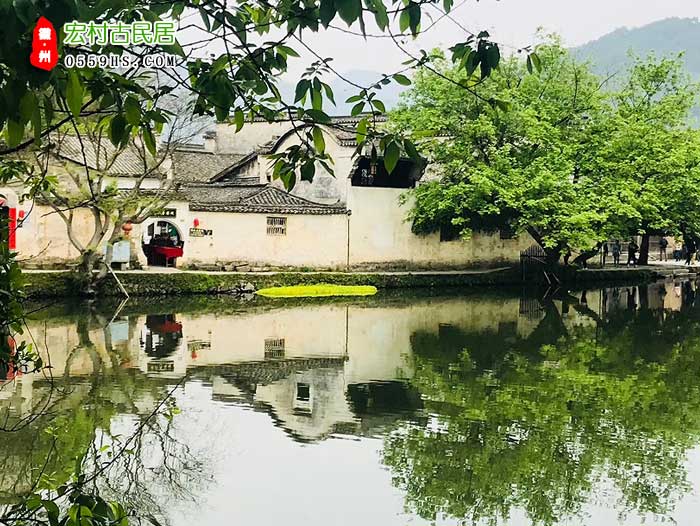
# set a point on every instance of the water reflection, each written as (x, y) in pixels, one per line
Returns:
(552, 407)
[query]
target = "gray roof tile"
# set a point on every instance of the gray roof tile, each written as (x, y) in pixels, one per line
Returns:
(200, 166)
(252, 199)
(104, 157)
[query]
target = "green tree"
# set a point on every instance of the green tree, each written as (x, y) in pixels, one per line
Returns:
(646, 158)
(560, 157)
(509, 157)
(534, 423)
(256, 41)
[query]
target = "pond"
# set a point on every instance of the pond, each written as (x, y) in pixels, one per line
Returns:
(483, 406)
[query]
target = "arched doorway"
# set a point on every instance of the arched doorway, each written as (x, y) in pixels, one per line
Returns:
(162, 243)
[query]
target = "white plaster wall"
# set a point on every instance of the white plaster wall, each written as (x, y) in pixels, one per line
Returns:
(326, 188)
(311, 240)
(252, 135)
(43, 237)
(380, 234)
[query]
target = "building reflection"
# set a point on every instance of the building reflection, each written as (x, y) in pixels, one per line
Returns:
(326, 369)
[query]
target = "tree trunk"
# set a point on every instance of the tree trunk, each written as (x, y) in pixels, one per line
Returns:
(644, 250)
(87, 277)
(583, 257)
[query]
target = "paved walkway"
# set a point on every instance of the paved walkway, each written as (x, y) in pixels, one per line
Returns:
(163, 270)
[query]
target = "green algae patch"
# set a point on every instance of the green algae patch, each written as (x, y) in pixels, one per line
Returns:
(317, 291)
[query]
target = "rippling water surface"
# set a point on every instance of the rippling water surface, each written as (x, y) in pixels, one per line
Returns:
(486, 407)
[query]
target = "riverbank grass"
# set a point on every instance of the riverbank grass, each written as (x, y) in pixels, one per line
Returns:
(317, 291)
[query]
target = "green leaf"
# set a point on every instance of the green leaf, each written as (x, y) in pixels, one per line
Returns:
(132, 111)
(402, 79)
(238, 119)
(51, 510)
(318, 116)
(220, 64)
(493, 55)
(411, 150)
(301, 89)
(329, 93)
(379, 105)
(26, 105)
(308, 169)
(349, 10)
(316, 99)
(472, 62)
(14, 132)
(361, 131)
(536, 61)
(74, 93)
(117, 129)
(288, 51)
(48, 110)
(414, 16)
(149, 140)
(404, 20)
(380, 15)
(357, 108)
(326, 12)
(319, 141)
(391, 156)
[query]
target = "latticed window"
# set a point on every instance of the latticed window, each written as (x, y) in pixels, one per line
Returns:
(276, 226)
(274, 348)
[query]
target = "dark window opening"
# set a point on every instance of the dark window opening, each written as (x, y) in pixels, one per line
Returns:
(303, 392)
(449, 233)
(375, 174)
(507, 233)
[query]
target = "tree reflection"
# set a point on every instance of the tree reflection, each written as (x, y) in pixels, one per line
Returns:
(71, 436)
(539, 423)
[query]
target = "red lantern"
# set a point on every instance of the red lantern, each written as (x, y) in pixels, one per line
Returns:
(196, 222)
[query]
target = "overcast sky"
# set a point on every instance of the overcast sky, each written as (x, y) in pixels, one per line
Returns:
(513, 23)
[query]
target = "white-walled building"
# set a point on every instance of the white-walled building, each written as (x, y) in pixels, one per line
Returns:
(226, 211)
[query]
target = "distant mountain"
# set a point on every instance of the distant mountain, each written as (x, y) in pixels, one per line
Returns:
(611, 53)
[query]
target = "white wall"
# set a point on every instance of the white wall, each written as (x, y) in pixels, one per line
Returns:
(318, 241)
(380, 234)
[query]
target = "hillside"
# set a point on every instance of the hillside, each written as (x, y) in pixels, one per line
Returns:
(671, 36)
(611, 53)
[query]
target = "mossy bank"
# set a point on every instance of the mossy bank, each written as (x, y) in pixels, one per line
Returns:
(66, 284)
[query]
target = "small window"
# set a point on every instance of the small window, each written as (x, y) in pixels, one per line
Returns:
(507, 233)
(276, 226)
(303, 392)
(449, 233)
(274, 348)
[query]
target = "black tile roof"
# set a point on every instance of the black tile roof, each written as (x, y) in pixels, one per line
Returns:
(190, 166)
(104, 157)
(252, 199)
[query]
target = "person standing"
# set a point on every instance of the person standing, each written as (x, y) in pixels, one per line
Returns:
(616, 251)
(605, 252)
(690, 249)
(677, 250)
(663, 244)
(632, 249)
